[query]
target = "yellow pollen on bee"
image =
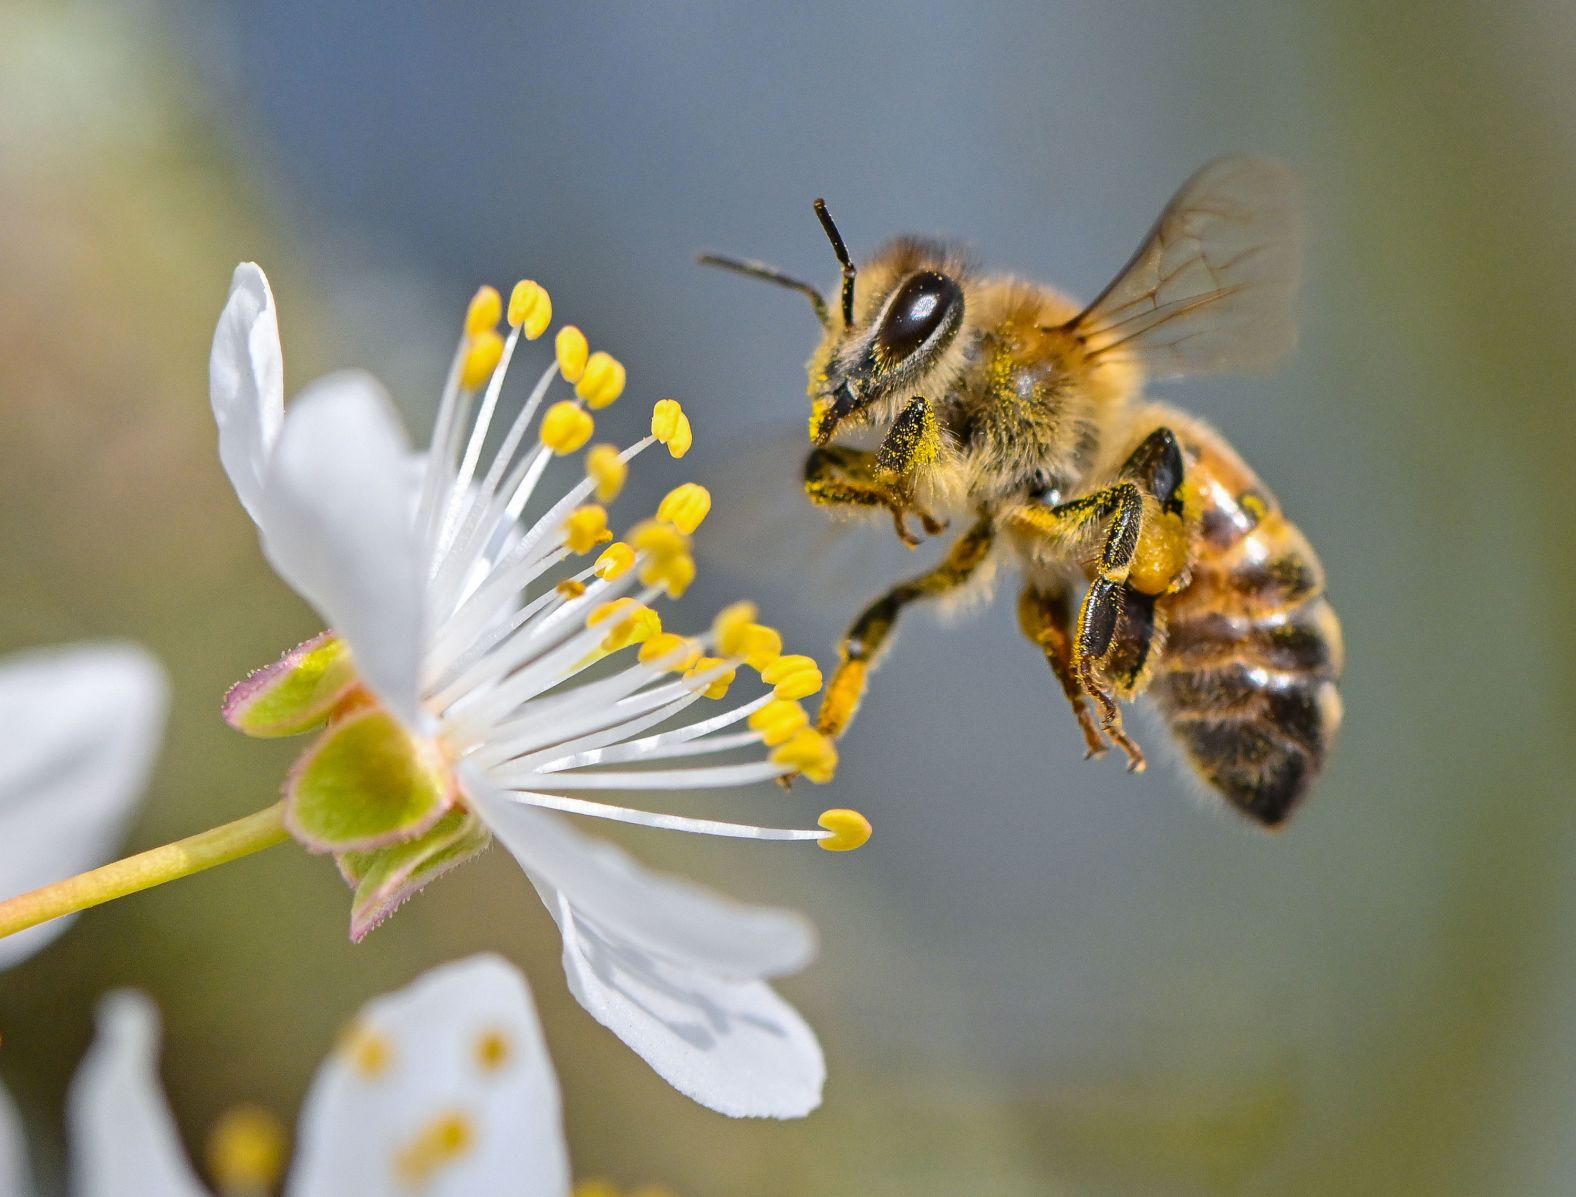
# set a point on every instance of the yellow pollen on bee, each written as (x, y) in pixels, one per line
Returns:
(247, 1150)
(718, 686)
(566, 427)
(442, 1141)
(606, 468)
(570, 588)
(585, 528)
(849, 829)
(572, 350)
(602, 380)
(808, 752)
(616, 561)
(530, 308)
(483, 312)
(683, 651)
(685, 507)
(481, 359)
(671, 426)
(493, 1050)
(792, 677)
(779, 721)
(368, 1053)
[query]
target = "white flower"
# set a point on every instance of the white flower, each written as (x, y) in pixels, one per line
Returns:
(79, 729)
(443, 1089)
(456, 696)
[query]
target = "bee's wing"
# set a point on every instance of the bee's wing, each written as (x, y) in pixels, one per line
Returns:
(1211, 288)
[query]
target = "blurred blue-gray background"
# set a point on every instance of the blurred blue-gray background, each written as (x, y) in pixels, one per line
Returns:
(1042, 976)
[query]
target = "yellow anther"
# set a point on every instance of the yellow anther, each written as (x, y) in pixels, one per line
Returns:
(247, 1150)
(793, 676)
(808, 752)
(729, 626)
(571, 588)
(657, 538)
(608, 470)
(530, 308)
(566, 427)
(616, 561)
(586, 528)
(671, 426)
(571, 347)
(439, 1143)
(718, 686)
(849, 829)
(762, 646)
(633, 623)
(484, 312)
(683, 651)
(673, 572)
(493, 1050)
(779, 721)
(602, 381)
(685, 507)
(481, 359)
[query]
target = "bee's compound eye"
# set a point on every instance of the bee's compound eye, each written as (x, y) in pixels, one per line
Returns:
(928, 303)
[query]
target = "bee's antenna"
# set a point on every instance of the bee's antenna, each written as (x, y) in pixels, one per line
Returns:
(841, 251)
(771, 275)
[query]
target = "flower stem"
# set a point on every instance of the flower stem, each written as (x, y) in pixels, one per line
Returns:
(217, 846)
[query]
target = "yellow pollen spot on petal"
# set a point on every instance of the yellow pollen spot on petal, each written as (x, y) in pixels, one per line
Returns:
(793, 676)
(779, 721)
(247, 1150)
(571, 588)
(530, 308)
(481, 359)
(849, 829)
(608, 470)
(808, 752)
(484, 311)
(673, 573)
(683, 651)
(493, 1050)
(685, 507)
(566, 427)
(602, 382)
(718, 686)
(616, 561)
(671, 426)
(442, 1141)
(571, 348)
(586, 528)
(368, 1053)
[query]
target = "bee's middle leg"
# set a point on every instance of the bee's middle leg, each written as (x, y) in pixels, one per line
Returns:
(867, 637)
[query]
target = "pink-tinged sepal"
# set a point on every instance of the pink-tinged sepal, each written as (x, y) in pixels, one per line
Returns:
(296, 693)
(385, 879)
(366, 783)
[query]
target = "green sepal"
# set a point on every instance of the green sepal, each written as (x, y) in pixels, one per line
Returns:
(384, 879)
(365, 783)
(296, 693)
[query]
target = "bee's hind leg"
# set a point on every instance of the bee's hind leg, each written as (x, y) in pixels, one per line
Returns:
(1047, 621)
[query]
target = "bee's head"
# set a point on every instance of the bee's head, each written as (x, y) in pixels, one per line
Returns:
(887, 340)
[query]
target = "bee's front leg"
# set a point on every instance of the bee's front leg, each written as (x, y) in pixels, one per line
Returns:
(839, 476)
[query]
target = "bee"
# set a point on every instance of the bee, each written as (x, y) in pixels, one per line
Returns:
(1154, 561)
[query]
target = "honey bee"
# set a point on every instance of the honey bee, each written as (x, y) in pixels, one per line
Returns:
(1007, 407)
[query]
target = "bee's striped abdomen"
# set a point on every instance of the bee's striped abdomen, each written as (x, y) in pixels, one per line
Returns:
(1253, 649)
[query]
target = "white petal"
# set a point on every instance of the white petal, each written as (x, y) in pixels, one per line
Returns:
(664, 915)
(79, 730)
(246, 382)
(15, 1176)
(337, 525)
(460, 1043)
(123, 1140)
(733, 1046)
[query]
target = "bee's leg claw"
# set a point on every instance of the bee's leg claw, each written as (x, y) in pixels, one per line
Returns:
(933, 526)
(900, 523)
(786, 780)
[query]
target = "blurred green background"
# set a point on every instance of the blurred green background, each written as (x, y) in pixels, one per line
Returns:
(1042, 976)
